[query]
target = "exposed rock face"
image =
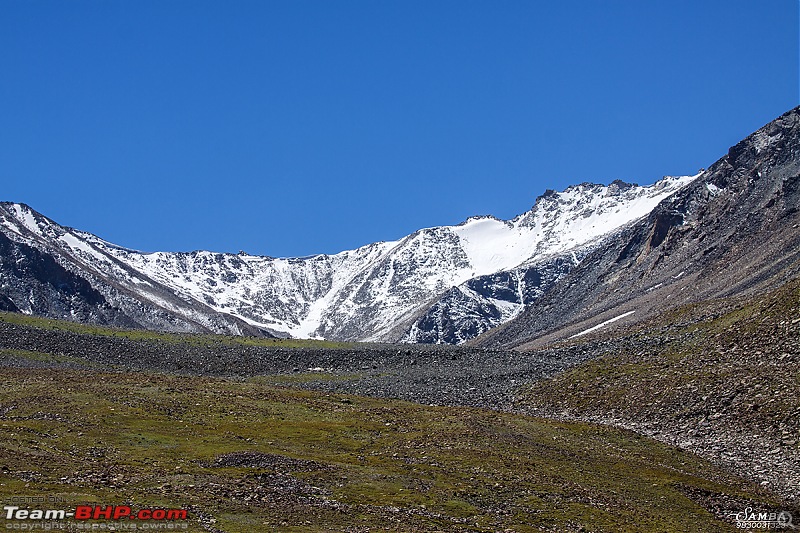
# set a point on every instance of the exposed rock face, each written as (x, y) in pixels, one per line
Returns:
(476, 306)
(577, 259)
(437, 285)
(51, 288)
(52, 271)
(732, 231)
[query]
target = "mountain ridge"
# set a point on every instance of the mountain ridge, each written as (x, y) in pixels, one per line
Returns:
(377, 292)
(732, 231)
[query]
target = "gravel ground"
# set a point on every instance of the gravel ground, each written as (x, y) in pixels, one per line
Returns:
(454, 376)
(425, 374)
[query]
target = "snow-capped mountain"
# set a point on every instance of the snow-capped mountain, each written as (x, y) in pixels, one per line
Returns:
(442, 284)
(732, 232)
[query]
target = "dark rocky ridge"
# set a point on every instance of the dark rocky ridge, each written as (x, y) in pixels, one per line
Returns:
(48, 279)
(733, 231)
(718, 378)
(50, 289)
(386, 291)
(467, 311)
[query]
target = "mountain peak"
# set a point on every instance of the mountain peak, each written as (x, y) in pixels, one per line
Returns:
(478, 218)
(445, 284)
(732, 231)
(371, 293)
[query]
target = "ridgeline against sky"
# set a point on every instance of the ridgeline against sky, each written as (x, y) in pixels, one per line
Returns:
(293, 128)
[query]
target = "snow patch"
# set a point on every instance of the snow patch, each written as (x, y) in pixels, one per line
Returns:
(11, 226)
(654, 287)
(365, 293)
(493, 245)
(25, 216)
(76, 244)
(602, 324)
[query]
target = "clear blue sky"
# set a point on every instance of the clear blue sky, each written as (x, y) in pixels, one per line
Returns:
(298, 127)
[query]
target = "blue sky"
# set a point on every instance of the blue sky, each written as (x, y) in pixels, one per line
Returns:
(300, 127)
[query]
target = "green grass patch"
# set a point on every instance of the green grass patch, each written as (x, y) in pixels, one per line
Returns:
(256, 457)
(207, 340)
(7, 354)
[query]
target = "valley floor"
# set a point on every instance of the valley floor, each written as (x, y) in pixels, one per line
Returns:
(241, 455)
(255, 434)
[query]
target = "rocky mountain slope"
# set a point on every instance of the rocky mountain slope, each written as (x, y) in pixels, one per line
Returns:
(243, 455)
(714, 378)
(438, 285)
(732, 231)
(718, 378)
(49, 270)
